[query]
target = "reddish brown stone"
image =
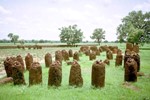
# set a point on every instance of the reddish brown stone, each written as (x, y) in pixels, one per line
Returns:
(98, 74)
(87, 52)
(75, 77)
(104, 48)
(129, 46)
(20, 59)
(65, 55)
(84, 48)
(48, 59)
(97, 52)
(136, 48)
(92, 55)
(109, 55)
(130, 70)
(93, 48)
(17, 73)
(8, 66)
(70, 53)
(136, 57)
(100, 49)
(55, 74)
(58, 56)
(35, 74)
(76, 56)
(28, 61)
(119, 58)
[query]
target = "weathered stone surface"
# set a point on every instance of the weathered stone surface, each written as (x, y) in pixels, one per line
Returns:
(65, 55)
(28, 61)
(136, 48)
(48, 59)
(93, 48)
(55, 74)
(35, 73)
(20, 59)
(92, 55)
(129, 46)
(119, 58)
(75, 77)
(130, 70)
(87, 52)
(84, 48)
(98, 74)
(17, 73)
(58, 56)
(76, 56)
(109, 55)
(70, 53)
(8, 62)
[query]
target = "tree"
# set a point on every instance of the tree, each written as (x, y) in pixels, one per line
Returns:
(135, 28)
(98, 35)
(70, 35)
(14, 38)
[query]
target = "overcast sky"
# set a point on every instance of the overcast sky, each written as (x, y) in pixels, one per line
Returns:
(40, 19)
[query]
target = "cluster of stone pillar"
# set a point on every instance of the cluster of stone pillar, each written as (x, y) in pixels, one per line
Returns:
(14, 68)
(131, 62)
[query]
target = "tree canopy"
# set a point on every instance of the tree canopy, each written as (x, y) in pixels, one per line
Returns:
(14, 38)
(70, 35)
(135, 28)
(98, 35)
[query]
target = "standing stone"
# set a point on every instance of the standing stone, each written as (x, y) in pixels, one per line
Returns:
(87, 52)
(100, 49)
(65, 55)
(98, 74)
(93, 48)
(130, 70)
(76, 56)
(129, 46)
(92, 55)
(55, 74)
(136, 57)
(58, 56)
(70, 53)
(20, 59)
(8, 62)
(75, 77)
(35, 73)
(17, 73)
(119, 58)
(136, 48)
(28, 61)
(97, 52)
(48, 60)
(109, 55)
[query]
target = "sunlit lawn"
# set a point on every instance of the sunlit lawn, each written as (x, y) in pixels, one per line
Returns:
(113, 90)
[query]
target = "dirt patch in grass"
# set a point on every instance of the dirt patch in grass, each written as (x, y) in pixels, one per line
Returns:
(129, 85)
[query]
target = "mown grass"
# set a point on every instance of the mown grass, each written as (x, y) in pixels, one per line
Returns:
(114, 79)
(113, 90)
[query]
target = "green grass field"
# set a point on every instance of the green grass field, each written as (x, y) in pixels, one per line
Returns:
(114, 80)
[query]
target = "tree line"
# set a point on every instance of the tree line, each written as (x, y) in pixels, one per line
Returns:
(135, 28)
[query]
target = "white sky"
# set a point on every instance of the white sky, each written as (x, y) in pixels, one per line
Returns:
(40, 19)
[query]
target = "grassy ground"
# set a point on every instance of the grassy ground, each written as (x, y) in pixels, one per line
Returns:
(114, 82)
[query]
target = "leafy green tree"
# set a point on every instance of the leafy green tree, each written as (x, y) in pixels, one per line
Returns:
(135, 28)
(70, 35)
(14, 38)
(98, 35)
